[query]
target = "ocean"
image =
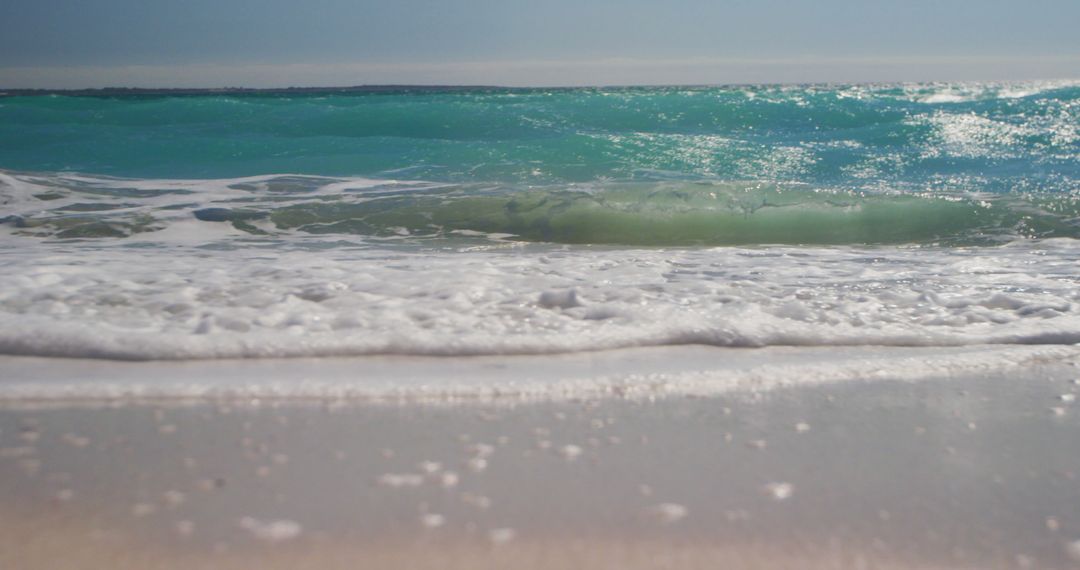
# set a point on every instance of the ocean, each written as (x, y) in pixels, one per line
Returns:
(818, 326)
(471, 222)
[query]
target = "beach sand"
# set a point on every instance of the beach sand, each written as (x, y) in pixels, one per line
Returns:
(975, 470)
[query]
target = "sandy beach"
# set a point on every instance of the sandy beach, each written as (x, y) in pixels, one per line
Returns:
(551, 285)
(970, 469)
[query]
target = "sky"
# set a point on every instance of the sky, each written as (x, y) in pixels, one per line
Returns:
(278, 43)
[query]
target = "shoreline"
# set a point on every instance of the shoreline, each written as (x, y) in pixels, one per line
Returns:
(641, 373)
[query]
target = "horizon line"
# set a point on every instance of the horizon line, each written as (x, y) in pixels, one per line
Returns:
(536, 73)
(391, 87)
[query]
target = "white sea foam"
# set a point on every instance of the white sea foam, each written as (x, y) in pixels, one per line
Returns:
(171, 201)
(937, 93)
(190, 302)
(194, 290)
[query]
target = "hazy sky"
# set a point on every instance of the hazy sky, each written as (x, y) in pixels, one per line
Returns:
(75, 43)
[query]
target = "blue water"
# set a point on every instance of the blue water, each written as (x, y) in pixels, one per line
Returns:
(509, 221)
(970, 136)
(594, 165)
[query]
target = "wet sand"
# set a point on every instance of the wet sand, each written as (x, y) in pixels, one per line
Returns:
(975, 471)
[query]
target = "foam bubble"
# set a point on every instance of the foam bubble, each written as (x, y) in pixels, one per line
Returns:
(271, 530)
(501, 535)
(668, 513)
(432, 520)
(779, 491)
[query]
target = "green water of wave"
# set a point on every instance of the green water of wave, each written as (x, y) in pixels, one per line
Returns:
(636, 214)
(697, 215)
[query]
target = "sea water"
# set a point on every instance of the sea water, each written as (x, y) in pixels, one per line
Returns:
(538, 221)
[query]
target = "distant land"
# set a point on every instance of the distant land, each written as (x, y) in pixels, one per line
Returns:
(125, 91)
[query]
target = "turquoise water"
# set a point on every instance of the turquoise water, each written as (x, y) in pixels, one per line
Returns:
(723, 165)
(971, 137)
(467, 222)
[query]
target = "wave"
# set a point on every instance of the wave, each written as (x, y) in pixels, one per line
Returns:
(539, 221)
(190, 302)
(69, 206)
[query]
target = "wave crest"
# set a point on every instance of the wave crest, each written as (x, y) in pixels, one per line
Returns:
(641, 214)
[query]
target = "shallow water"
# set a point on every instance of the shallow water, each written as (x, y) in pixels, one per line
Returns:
(471, 222)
